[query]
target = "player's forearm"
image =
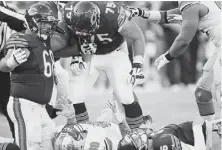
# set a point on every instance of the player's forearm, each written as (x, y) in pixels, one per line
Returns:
(157, 16)
(124, 128)
(4, 66)
(139, 45)
(67, 52)
(178, 47)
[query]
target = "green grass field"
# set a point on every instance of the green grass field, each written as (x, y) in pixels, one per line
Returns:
(165, 107)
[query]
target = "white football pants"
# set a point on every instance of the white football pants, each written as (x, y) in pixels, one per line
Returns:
(33, 126)
(116, 65)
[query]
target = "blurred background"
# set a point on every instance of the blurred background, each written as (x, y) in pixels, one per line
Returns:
(182, 72)
(167, 95)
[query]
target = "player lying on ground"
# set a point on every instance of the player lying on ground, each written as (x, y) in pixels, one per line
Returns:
(111, 128)
(201, 16)
(185, 136)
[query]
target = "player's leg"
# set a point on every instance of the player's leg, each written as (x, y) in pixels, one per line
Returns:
(26, 119)
(4, 98)
(216, 88)
(79, 86)
(203, 91)
(118, 73)
(48, 129)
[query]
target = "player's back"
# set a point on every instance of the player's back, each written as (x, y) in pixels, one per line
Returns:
(182, 131)
(107, 36)
(33, 79)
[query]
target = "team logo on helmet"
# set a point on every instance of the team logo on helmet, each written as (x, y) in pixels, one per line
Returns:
(32, 11)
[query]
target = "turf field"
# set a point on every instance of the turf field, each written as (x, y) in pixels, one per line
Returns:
(165, 107)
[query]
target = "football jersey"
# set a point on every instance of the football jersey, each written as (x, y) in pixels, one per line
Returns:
(211, 22)
(33, 79)
(112, 17)
(110, 133)
(183, 131)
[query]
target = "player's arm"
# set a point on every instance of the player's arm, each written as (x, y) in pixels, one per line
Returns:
(132, 32)
(5, 66)
(68, 51)
(188, 30)
(14, 20)
(155, 16)
(13, 58)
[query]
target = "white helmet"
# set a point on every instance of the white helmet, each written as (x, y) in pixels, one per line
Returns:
(71, 137)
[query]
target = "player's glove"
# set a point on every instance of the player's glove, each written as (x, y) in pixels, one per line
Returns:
(17, 57)
(118, 116)
(138, 12)
(174, 18)
(163, 60)
(66, 106)
(136, 74)
(88, 48)
(77, 64)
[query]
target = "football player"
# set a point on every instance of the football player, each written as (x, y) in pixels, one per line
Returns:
(32, 78)
(10, 21)
(100, 29)
(195, 16)
(76, 135)
(184, 136)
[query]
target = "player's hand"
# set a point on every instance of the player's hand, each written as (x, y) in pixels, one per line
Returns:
(134, 12)
(88, 48)
(66, 106)
(136, 74)
(174, 18)
(119, 118)
(161, 61)
(77, 64)
(17, 57)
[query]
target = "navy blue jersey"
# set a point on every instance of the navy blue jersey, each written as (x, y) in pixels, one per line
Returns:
(33, 79)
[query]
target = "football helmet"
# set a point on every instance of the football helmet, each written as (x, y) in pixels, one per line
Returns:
(41, 21)
(71, 137)
(85, 18)
(137, 140)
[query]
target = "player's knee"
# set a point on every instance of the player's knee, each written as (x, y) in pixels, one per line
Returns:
(11, 146)
(126, 98)
(204, 102)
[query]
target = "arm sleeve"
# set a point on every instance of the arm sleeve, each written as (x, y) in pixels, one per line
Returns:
(14, 20)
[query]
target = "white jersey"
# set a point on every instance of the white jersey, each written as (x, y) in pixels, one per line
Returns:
(211, 22)
(111, 133)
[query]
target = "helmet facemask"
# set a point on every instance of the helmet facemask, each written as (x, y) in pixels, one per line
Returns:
(72, 137)
(85, 24)
(40, 23)
(139, 138)
(45, 27)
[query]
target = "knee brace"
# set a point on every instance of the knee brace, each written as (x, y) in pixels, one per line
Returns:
(9, 146)
(204, 102)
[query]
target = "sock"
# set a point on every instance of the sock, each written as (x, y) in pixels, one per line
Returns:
(134, 115)
(81, 112)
